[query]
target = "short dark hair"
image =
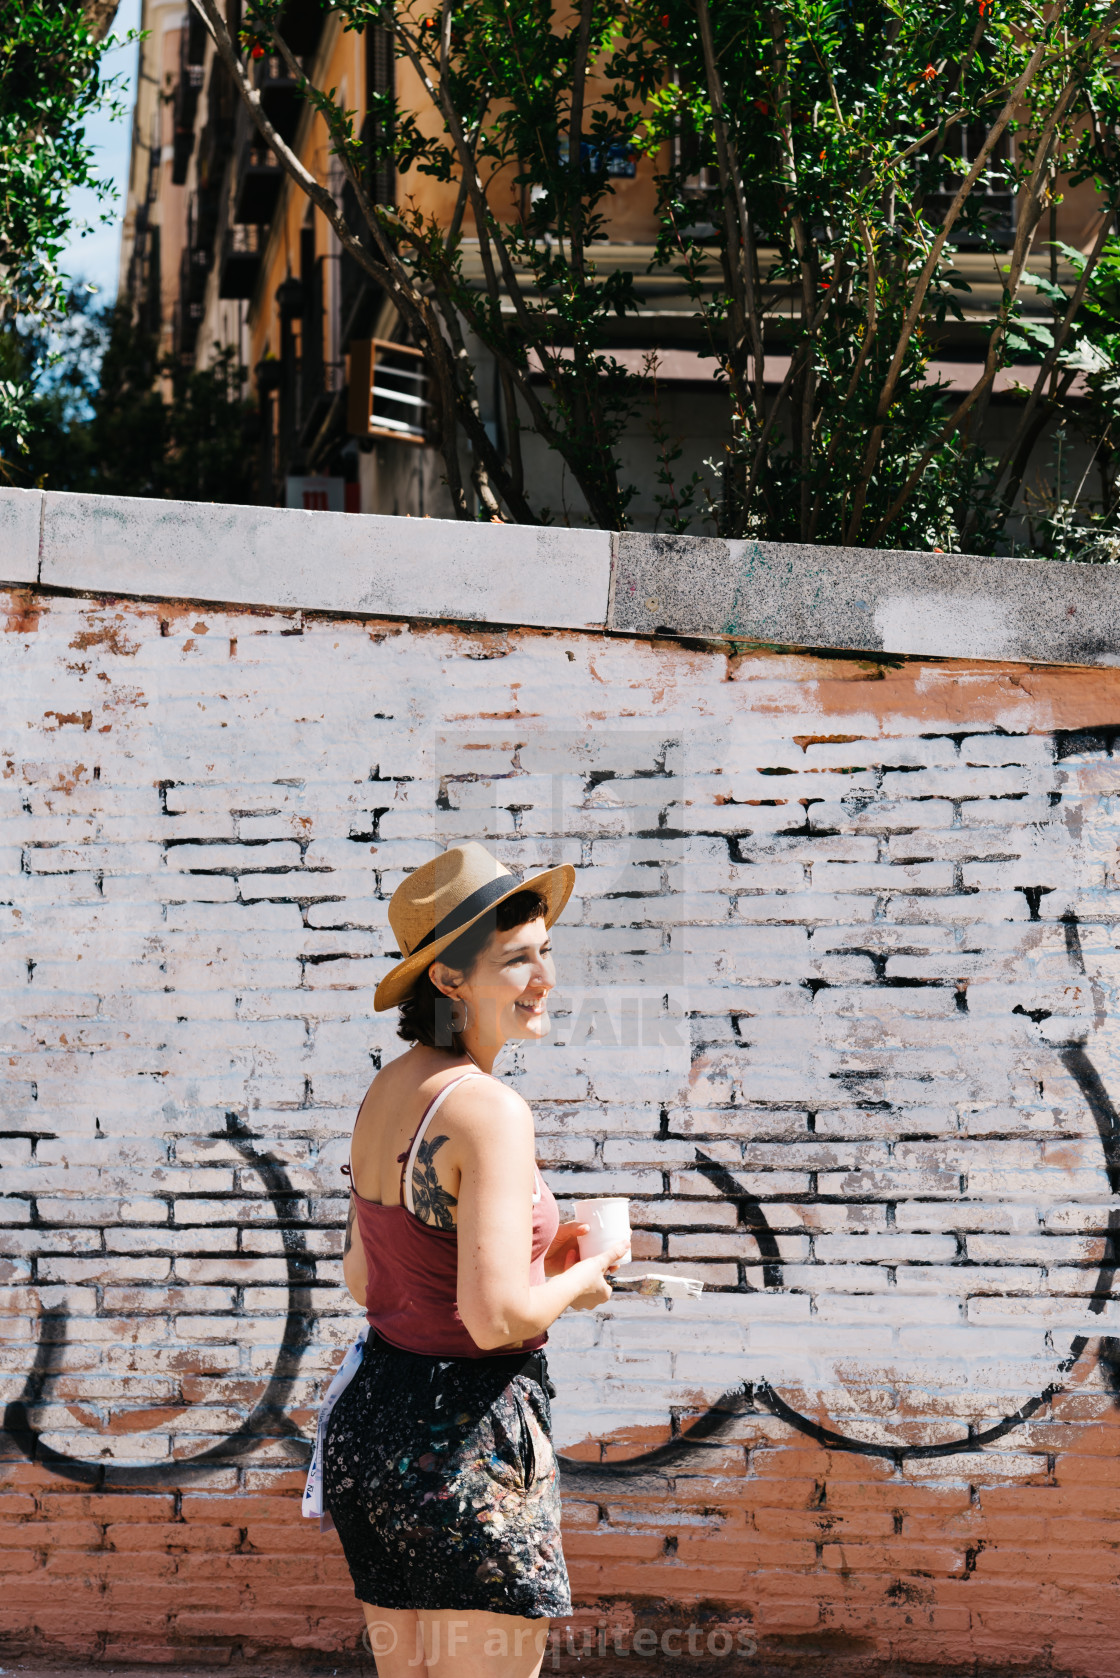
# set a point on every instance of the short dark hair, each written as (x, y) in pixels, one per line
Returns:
(427, 1016)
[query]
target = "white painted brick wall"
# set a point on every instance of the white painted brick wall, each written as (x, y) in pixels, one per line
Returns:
(835, 968)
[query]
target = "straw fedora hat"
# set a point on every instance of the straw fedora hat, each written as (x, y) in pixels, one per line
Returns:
(442, 898)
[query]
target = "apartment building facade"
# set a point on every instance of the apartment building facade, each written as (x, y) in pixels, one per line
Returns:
(221, 251)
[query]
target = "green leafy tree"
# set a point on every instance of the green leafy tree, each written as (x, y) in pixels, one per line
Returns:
(159, 427)
(108, 415)
(50, 58)
(830, 158)
(56, 370)
(821, 162)
(1076, 518)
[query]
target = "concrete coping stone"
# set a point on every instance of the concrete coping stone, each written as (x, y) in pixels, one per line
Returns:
(868, 600)
(861, 600)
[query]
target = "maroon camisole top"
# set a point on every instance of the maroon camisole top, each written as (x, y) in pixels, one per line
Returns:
(413, 1268)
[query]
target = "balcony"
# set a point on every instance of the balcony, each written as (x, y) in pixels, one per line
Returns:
(194, 271)
(281, 99)
(192, 73)
(216, 133)
(257, 175)
(259, 179)
(242, 248)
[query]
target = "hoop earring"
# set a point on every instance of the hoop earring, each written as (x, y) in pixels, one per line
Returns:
(460, 1015)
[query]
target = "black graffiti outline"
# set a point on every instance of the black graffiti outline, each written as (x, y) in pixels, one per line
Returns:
(269, 1420)
(749, 1395)
(266, 1420)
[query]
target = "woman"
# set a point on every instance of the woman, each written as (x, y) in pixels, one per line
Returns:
(438, 1467)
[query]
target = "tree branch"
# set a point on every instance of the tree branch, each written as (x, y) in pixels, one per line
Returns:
(886, 396)
(575, 139)
(749, 326)
(1052, 354)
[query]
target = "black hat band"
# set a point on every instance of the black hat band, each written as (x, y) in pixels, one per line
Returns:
(465, 911)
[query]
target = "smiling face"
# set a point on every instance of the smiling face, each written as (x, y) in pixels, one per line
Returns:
(505, 993)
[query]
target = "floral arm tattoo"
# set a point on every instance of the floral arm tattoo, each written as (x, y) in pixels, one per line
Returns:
(431, 1201)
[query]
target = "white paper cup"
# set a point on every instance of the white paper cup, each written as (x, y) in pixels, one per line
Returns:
(610, 1222)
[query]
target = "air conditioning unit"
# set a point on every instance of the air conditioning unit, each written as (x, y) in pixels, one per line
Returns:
(388, 394)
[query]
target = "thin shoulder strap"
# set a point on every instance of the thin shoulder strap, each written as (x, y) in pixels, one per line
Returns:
(430, 1113)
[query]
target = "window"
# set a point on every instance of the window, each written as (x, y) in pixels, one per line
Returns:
(993, 201)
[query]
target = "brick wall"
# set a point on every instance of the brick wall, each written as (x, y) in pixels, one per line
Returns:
(837, 993)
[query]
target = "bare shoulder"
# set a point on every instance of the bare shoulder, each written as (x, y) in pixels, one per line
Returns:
(387, 1085)
(486, 1109)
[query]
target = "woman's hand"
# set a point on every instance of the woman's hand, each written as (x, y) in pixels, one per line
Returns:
(564, 1251)
(598, 1289)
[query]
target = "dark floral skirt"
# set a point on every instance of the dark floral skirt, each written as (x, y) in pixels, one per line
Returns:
(441, 1479)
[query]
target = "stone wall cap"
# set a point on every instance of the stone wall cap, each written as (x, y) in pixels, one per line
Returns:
(326, 562)
(856, 600)
(868, 600)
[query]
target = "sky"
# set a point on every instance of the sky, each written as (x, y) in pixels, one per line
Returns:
(94, 258)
